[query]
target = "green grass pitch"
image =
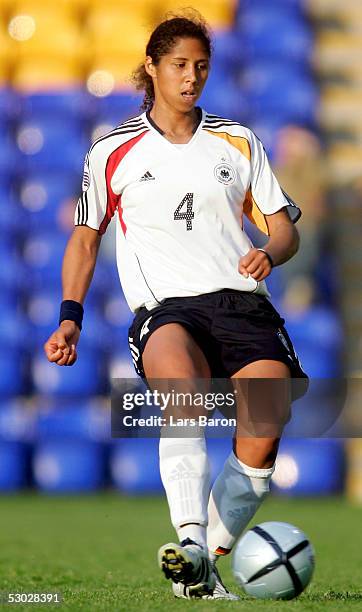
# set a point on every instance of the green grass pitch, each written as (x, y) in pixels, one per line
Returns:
(100, 553)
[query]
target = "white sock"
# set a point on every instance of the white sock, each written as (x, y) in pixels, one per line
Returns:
(195, 532)
(185, 475)
(235, 497)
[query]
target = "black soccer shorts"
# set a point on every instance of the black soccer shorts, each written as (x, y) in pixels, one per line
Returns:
(232, 328)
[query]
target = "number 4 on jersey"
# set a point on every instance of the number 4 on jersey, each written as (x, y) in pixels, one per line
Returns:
(187, 215)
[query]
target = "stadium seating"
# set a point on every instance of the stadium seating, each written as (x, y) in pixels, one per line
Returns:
(14, 466)
(68, 466)
(274, 34)
(118, 107)
(50, 144)
(83, 379)
(309, 467)
(294, 7)
(220, 15)
(127, 461)
(16, 434)
(263, 84)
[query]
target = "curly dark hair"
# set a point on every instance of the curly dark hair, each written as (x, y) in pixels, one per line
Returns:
(188, 25)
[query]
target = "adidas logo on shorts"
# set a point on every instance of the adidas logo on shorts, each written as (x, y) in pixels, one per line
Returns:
(147, 177)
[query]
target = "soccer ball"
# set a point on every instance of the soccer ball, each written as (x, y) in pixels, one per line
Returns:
(273, 561)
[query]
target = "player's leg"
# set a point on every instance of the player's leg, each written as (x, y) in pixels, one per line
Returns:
(172, 353)
(263, 408)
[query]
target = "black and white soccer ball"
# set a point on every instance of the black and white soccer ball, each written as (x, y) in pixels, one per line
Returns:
(273, 561)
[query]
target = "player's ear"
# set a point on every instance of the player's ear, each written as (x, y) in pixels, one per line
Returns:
(149, 67)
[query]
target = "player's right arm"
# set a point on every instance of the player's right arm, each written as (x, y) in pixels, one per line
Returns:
(77, 271)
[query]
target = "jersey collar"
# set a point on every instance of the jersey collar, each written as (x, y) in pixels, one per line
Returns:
(154, 125)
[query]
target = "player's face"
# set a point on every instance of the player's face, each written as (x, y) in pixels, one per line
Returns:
(181, 74)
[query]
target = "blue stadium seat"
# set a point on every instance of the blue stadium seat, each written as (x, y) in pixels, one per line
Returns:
(276, 34)
(14, 362)
(309, 467)
(295, 44)
(59, 105)
(13, 221)
(95, 332)
(128, 460)
(116, 108)
(292, 7)
(232, 104)
(42, 311)
(17, 429)
(12, 368)
(14, 328)
(50, 144)
(69, 466)
(120, 364)
(318, 413)
(10, 105)
(70, 419)
(105, 278)
(9, 300)
(118, 317)
(13, 275)
(273, 89)
(17, 421)
(43, 197)
(229, 52)
(317, 338)
(14, 460)
(42, 254)
(9, 160)
(84, 378)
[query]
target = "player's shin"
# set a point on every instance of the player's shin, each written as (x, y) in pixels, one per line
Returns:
(235, 497)
(185, 475)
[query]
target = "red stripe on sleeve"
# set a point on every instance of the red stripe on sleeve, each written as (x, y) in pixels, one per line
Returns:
(113, 199)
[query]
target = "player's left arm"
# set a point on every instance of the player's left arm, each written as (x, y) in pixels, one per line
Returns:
(283, 243)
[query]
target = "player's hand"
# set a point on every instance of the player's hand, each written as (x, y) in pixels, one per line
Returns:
(256, 264)
(60, 348)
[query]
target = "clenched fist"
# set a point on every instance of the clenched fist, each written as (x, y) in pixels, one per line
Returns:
(256, 264)
(60, 348)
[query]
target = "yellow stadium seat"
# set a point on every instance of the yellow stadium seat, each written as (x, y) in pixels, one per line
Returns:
(71, 8)
(336, 50)
(330, 8)
(6, 54)
(138, 6)
(30, 76)
(117, 35)
(340, 108)
(5, 8)
(345, 162)
(145, 10)
(47, 36)
(127, 46)
(102, 24)
(353, 74)
(219, 14)
(113, 71)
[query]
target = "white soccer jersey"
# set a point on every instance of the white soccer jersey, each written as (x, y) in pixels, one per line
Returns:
(180, 208)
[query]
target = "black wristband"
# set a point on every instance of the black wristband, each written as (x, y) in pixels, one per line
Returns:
(268, 256)
(71, 311)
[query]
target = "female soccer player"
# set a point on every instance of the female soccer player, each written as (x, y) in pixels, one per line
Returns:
(182, 180)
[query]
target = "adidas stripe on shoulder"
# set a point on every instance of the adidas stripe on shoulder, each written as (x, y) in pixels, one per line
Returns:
(95, 165)
(130, 128)
(214, 122)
